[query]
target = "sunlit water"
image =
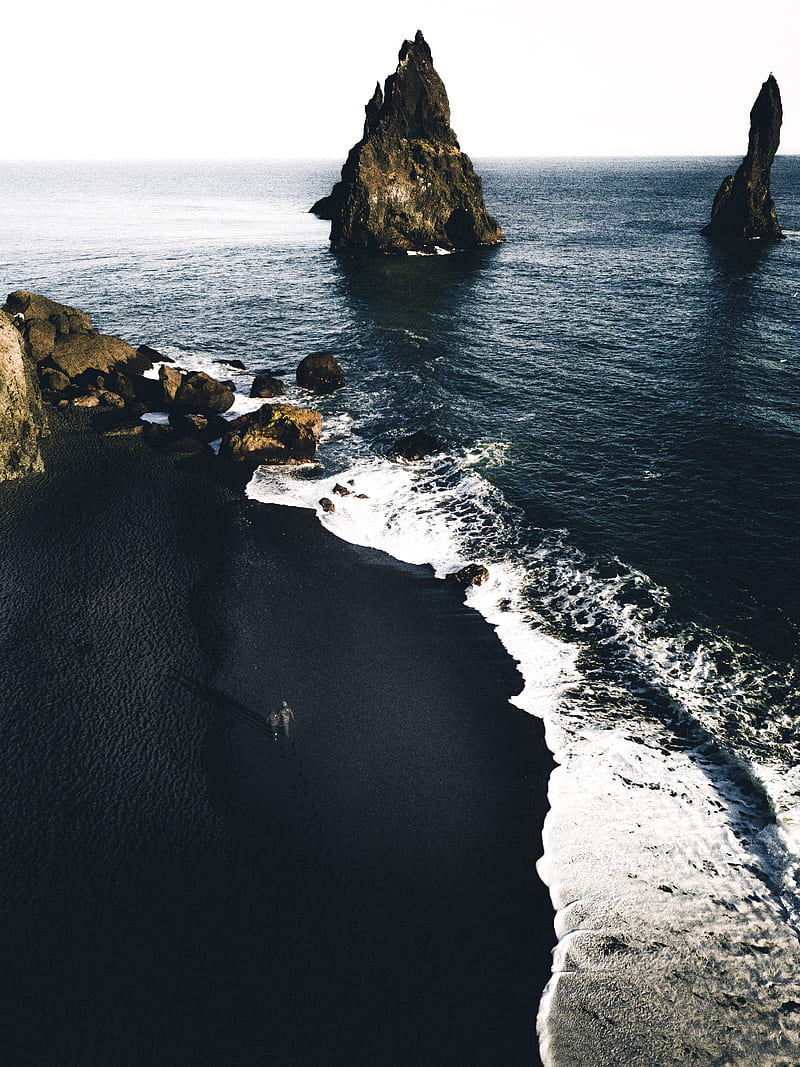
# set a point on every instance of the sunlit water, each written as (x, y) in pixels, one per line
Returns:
(620, 403)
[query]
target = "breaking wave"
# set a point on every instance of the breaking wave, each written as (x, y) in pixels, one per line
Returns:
(667, 761)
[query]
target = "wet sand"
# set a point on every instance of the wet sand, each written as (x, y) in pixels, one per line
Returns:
(177, 886)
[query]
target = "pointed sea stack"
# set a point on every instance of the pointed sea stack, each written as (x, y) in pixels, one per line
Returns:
(743, 209)
(407, 186)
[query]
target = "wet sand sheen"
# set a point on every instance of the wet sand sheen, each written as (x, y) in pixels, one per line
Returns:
(177, 884)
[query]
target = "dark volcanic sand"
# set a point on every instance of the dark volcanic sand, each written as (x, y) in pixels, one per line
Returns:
(178, 888)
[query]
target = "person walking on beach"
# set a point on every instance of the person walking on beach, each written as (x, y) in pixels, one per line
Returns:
(287, 715)
(275, 723)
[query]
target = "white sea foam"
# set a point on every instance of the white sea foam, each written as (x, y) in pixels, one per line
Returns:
(437, 251)
(683, 910)
(160, 418)
(672, 949)
(675, 893)
(395, 517)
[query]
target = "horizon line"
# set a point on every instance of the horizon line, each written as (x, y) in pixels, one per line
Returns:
(338, 159)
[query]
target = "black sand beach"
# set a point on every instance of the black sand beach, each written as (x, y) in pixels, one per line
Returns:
(178, 887)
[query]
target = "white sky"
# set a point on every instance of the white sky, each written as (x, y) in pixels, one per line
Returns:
(172, 79)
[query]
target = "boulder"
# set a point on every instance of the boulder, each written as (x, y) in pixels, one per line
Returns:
(122, 384)
(200, 393)
(415, 446)
(235, 363)
(22, 420)
(136, 389)
(407, 186)
(327, 505)
(54, 381)
(472, 574)
(170, 379)
(276, 433)
(320, 372)
(148, 391)
(341, 490)
(265, 386)
(743, 208)
(79, 354)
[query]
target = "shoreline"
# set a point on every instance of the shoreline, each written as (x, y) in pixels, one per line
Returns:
(366, 888)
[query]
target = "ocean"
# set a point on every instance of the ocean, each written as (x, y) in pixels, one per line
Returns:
(619, 402)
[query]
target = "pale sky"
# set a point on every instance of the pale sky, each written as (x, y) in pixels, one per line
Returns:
(174, 79)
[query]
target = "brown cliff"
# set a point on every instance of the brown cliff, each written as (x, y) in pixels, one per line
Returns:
(22, 420)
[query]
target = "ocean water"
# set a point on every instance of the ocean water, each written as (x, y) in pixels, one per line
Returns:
(620, 405)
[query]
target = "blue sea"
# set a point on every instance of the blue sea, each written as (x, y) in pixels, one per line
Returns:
(620, 406)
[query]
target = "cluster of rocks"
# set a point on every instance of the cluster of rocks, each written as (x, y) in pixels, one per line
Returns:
(340, 490)
(78, 366)
(44, 342)
(72, 359)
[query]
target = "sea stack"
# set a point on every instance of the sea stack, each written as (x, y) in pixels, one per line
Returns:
(407, 186)
(743, 209)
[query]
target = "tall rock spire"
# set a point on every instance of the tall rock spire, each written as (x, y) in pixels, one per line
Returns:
(407, 186)
(743, 207)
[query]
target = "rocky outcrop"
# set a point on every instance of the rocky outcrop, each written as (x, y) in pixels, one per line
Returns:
(92, 352)
(743, 208)
(407, 186)
(415, 446)
(276, 433)
(62, 338)
(173, 390)
(21, 416)
(472, 574)
(79, 366)
(320, 372)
